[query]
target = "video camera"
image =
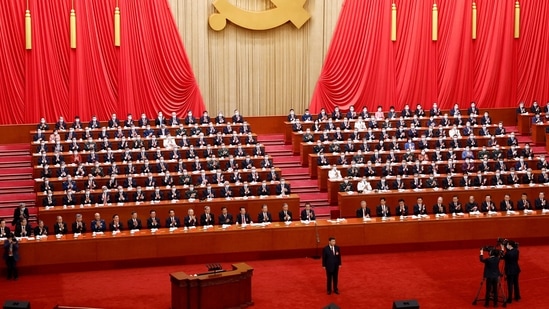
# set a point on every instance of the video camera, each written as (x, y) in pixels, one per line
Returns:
(505, 241)
(496, 250)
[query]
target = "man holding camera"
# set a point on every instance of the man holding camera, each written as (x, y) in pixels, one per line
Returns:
(11, 255)
(491, 274)
(512, 269)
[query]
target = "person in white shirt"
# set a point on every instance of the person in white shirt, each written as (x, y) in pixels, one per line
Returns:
(363, 185)
(334, 173)
(454, 131)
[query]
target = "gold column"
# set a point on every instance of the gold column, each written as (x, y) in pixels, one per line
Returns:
(393, 22)
(28, 28)
(73, 26)
(435, 22)
(117, 25)
(517, 20)
(474, 21)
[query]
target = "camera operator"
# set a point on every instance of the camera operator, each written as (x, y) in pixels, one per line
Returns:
(11, 255)
(491, 274)
(512, 269)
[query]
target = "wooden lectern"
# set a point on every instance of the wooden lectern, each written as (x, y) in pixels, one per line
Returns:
(229, 289)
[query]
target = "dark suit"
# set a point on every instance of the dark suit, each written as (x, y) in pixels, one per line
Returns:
(4, 232)
(363, 212)
(134, 225)
(381, 213)
(60, 228)
(207, 221)
(100, 226)
(78, 228)
(264, 217)
(173, 222)
(246, 219)
(18, 215)
(311, 216)
(41, 232)
(19, 232)
(226, 219)
(188, 221)
(491, 274)
(331, 261)
(153, 225)
(281, 215)
(11, 256)
(512, 270)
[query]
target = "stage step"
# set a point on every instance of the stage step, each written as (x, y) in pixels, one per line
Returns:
(270, 137)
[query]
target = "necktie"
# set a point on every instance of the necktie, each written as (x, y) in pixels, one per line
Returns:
(333, 250)
(243, 219)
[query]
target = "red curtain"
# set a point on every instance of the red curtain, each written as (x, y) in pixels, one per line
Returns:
(150, 72)
(364, 68)
(12, 61)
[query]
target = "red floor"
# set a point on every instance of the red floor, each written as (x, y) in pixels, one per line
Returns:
(437, 279)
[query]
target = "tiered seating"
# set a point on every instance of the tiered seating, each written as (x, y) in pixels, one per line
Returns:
(233, 163)
(322, 151)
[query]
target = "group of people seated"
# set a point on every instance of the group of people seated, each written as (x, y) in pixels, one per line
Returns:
(535, 109)
(207, 218)
(453, 207)
(142, 169)
(137, 194)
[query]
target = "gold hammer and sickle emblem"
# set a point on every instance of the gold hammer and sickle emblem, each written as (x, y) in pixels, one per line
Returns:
(286, 10)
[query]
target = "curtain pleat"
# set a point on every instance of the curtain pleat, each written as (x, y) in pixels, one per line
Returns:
(495, 70)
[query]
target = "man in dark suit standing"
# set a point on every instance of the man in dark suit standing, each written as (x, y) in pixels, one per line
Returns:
(11, 255)
(331, 262)
(19, 213)
(512, 270)
(491, 275)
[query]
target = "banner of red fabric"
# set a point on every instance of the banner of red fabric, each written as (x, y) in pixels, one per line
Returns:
(148, 73)
(363, 67)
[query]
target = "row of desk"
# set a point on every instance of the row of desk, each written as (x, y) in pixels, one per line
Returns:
(277, 239)
(507, 115)
(350, 202)
(306, 148)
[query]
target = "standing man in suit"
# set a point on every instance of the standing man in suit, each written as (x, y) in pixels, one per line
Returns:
(11, 256)
(20, 213)
(491, 274)
(512, 270)
(331, 262)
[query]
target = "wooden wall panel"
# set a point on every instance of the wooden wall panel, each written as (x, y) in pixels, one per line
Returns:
(259, 72)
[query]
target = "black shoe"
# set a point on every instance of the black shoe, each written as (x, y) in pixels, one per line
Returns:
(15, 278)
(329, 292)
(517, 298)
(337, 292)
(509, 300)
(495, 305)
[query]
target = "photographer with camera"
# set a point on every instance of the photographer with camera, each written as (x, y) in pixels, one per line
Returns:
(512, 268)
(11, 255)
(491, 274)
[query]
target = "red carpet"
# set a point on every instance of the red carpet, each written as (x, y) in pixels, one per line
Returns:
(437, 279)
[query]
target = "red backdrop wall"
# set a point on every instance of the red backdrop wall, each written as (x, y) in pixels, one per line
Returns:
(149, 72)
(364, 67)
